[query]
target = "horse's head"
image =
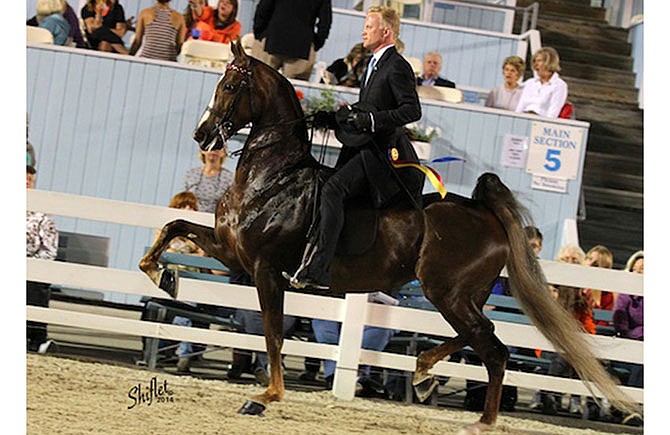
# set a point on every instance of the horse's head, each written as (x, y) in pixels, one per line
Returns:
(230, 106)
(249, 91)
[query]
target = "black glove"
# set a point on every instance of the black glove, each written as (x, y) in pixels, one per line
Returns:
(361, 121)
(325, 119)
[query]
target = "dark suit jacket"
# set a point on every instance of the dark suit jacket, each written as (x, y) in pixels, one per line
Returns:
(438, 82)
(391, 89)
(289, 25)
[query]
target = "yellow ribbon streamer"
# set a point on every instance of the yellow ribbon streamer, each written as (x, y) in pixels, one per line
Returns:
(433, 176)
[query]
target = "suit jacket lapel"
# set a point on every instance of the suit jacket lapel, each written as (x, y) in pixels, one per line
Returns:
(376, 68)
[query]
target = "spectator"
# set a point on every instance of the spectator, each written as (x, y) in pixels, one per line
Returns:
(218, 25)
(75, 31)
(374, 338)
(210, 181)
(535, 239)
(629, 323)
(506, 96)
(160, 32)
(105, 25)
(599, 256)
(629, 309)
(286, 31)
(349, 71)
(72, 19)
(193, 12)
(49, 16)
(546, 93)
(41, 242)
(432, 64)
(184, 201)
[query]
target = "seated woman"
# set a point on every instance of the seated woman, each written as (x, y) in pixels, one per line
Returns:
(507, 95)
(105, 25)
(160, 32)
(348, 71)
(546, 93)
(219, 25)
(50, 16)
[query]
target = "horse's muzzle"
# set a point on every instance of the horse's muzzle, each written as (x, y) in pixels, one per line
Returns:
(209, 140)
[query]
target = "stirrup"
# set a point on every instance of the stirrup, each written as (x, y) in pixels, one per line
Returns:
(307, 256)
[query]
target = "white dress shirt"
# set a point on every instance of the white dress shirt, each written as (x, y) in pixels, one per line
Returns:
(544, 99)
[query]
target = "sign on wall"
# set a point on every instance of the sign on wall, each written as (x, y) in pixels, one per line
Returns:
(554, 151)
(514, 151)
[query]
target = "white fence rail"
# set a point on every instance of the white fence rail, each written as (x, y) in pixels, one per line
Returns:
(354, 311)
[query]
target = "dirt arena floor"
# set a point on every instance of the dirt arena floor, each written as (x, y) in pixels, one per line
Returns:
(68, 396)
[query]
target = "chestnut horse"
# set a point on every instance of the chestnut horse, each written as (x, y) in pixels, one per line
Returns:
(455, 247)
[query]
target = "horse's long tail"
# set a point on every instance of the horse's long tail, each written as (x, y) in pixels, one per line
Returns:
(529, 287)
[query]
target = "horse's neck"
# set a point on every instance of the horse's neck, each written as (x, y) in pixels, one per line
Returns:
(272, 146)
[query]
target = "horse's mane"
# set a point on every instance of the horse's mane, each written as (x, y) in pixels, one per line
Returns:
(284, 83)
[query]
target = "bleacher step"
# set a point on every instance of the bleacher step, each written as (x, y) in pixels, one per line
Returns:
(608, 144)
(568, 9)
(597, 73)
(577, 26)
(612, 197)
(592, 57)
(585, 42)
(614, 163)
(599, 91)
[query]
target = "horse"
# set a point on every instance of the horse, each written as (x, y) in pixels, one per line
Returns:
(456, 247)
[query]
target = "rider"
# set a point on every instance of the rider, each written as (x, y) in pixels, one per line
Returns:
(387, 101)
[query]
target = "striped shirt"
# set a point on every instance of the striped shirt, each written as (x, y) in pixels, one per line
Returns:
(160, 39)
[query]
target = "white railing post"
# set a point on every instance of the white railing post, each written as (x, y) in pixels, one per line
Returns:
(535, 40)
(351, 338)
(508, 27)
(570, 234)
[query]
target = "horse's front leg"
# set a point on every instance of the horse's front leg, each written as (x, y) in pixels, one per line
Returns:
(166, 279)
(271, 298)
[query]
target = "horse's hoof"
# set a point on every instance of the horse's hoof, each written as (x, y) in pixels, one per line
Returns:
(168, 282)
(474, 429)
(425, 388)
(252, 408)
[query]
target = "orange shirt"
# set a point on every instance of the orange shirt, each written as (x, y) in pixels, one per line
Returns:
(209, 33)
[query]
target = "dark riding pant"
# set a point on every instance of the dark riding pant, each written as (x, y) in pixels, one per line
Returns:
(349, 181)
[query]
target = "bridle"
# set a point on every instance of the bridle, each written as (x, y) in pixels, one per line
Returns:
(224, 125)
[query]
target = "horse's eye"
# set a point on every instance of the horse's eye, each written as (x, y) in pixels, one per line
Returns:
(228, 87)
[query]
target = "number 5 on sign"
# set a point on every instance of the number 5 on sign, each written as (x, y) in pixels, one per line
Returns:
(553, 160)
(554, 150)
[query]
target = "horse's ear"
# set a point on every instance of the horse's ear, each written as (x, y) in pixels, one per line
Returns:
(235, 47)
(238, 50)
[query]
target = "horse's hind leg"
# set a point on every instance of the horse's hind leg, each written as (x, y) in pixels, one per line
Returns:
(164, 278)
(466, 317)
(424, 383)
